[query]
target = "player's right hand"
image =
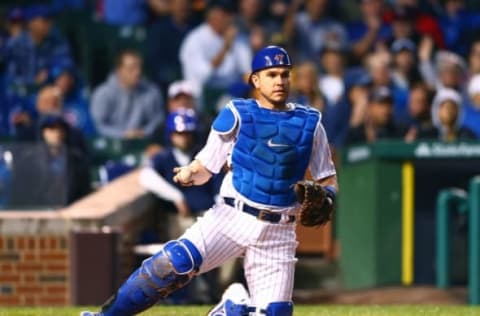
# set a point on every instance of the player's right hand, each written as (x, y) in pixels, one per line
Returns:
(183, 175)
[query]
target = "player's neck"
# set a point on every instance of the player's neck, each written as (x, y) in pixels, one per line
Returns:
(269, 104)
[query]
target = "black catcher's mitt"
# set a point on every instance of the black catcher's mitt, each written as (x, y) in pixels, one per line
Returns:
(316, 205)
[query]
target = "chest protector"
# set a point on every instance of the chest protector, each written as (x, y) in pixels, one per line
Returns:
(272, 151)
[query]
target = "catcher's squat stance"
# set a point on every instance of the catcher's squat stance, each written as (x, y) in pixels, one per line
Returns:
(269, 144)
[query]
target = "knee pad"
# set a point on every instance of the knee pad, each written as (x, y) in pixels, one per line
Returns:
(184, 256)
(279, 309)
(177, 260)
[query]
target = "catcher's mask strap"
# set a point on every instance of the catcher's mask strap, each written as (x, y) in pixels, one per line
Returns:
(263, 215)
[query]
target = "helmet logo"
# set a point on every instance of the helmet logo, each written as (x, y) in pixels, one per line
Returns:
(279, 58)
(268, 61)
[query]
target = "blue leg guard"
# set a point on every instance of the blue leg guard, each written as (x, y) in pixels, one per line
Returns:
(280, 309)
(158, 276)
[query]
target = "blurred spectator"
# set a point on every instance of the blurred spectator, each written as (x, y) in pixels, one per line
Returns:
(251, 24)
(371, 32)
(448, 114)
(75, 103)
(448, 70)
(332, 62)
(30, 55)
(164, 39)
(410, 20)
(309, 30)
(380, 72)
(126, 105)
(459, 25)
(472, 107)
(50, 103)
(405, 71)
(212, 56)
(157, 177)
(305, 88)
(185, 203)
(249, 16)
(52, 173)
(336, 111)
(277, 11)
(47, 101)
(126, 12)
(420, 112)
(474, 58)
(15, 22)
(357, 98)
(63, 5)
(181, 95)
(378, 124)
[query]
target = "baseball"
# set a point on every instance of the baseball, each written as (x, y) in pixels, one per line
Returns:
(184, 175)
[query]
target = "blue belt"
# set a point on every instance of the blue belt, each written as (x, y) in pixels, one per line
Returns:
(262, 215)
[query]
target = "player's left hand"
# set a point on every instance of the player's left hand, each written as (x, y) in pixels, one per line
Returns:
(316, 203)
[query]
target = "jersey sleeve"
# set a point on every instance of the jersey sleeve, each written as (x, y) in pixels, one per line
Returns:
(321, 164)
(216, 151)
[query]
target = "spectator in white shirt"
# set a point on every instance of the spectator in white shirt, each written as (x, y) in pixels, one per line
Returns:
(212, 56)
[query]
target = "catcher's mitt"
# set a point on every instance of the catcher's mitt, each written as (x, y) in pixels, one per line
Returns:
(316, 203)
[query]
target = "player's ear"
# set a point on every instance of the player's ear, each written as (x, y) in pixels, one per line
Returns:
(255, 80)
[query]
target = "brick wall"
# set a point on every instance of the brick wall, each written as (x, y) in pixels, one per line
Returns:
(34, 270)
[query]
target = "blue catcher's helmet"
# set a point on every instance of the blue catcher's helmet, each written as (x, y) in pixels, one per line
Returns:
(184, 120)
(270, 56)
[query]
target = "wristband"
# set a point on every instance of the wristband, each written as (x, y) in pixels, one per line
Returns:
(331, 192)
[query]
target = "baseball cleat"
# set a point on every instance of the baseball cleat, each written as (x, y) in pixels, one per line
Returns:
(90, 314)
(235, 301)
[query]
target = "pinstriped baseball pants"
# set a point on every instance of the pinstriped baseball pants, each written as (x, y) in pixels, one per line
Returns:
(268, 250)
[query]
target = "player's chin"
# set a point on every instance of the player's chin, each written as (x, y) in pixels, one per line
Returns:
(279, 96)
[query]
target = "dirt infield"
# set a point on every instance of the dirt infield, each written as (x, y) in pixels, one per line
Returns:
(387, 295)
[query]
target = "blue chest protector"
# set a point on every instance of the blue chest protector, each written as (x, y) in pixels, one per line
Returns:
(272, 150)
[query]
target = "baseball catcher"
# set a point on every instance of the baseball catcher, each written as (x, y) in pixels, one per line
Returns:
(316, 202)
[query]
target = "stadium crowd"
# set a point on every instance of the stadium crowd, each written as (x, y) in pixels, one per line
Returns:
(376, 69)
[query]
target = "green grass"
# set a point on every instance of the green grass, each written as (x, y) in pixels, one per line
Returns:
(300, 310)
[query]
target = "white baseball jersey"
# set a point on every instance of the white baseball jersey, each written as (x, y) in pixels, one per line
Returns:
(268, 248)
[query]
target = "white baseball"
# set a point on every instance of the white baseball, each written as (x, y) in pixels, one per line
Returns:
(184, 176)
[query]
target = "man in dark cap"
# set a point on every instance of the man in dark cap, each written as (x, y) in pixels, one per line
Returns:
(50, 173)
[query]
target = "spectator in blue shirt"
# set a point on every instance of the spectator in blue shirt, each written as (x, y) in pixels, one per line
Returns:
(371, 31)
(13, 27)
(381, 76)
(459, 25)
(405, 71)
(132, 12)
(125, 12)
(31, 54)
